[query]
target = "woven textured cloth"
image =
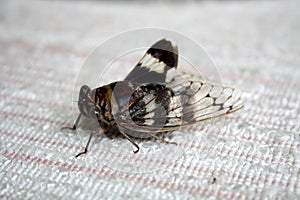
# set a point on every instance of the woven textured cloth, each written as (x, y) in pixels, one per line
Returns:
(251, 154)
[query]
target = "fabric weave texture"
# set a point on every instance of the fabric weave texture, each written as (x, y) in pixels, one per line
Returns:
(251, 154)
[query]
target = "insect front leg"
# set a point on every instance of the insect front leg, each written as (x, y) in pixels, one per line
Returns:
(94, 132)
(75, 124)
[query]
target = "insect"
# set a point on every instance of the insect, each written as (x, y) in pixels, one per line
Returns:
(154, 98)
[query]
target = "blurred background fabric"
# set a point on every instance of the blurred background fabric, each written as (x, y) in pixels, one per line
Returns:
(251, 154)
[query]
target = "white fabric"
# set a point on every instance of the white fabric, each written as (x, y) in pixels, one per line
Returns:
(253, 153)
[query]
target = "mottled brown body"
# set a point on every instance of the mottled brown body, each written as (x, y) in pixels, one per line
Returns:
(118, 102)
(96, 105)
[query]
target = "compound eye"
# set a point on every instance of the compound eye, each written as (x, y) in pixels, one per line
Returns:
(84, 90)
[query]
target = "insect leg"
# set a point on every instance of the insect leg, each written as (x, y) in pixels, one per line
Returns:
(86, 147)
(161, 139)
(132, 142)
(75, 124)
(94, 132)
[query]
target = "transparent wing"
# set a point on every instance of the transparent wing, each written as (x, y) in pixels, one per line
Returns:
(156, 62)
(181, 101)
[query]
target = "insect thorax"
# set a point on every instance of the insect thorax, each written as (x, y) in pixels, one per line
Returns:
(105, 103)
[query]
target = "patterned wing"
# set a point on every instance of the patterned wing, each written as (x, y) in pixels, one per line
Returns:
(181, 101)
(154, 65)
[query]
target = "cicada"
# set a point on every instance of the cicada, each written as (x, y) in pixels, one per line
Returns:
(154, 98)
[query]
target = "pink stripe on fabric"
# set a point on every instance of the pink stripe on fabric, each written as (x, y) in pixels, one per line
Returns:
(23, 136)
(34, 117)
(194, 189)
(47, 48)
(40, 102)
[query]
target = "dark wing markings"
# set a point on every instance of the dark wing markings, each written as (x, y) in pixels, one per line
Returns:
(153, 67)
